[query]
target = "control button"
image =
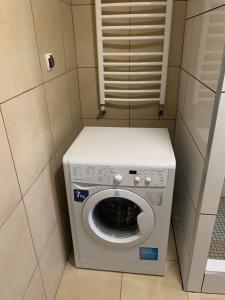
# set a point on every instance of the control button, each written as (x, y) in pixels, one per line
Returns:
(118, 178)
(137, 179)
(148, 180)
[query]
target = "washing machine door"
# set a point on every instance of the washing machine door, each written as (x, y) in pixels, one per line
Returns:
(118, 217)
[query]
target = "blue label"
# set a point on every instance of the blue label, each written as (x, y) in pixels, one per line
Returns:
(148, 253)
(80, 195)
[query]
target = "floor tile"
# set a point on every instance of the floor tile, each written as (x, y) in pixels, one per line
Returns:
(84, 284)
(154, 287)
(196, 296)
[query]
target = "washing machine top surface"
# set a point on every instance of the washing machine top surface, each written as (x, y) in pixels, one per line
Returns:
(122, 146)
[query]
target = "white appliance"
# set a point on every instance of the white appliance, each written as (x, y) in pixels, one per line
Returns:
(119, 185)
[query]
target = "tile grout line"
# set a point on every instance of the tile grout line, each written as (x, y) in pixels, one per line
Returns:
(177, 262)
(21, 200)
(121, 286)
(36, 86)
(77, 68)
(75, 46)
(205, 12)
(34, 249)
(62, 35)
(32, 276)
(62, 274)
(201, 82)
(187, 128)
(14, 165)
(67, 80)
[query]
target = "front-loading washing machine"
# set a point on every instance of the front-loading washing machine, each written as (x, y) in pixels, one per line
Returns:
(119, 184)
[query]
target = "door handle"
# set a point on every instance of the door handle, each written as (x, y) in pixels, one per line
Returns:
(141, 221)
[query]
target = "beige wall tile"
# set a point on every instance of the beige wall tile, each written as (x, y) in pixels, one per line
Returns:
(49, 35)
(89, 284)
(172, 89)
(77, 2)
(40, 202)
(35, 290)
(89, 96)
(177, 33)
(68, 35)
(144, 111)
(105, 122)
(154, 287)
(57, 95)
(19, 61)
(67, 1)
(17, 257)
(9, 187)
(170, 124)
(52, 263)
(74, 95)
(85, 35)
(29, 134)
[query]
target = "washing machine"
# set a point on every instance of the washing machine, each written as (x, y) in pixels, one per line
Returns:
(119, 184)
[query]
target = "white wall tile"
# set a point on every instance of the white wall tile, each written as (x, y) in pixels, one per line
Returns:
(198, 109)
(190, 158)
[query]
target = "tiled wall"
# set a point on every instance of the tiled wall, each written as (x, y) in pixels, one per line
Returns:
(202, 55)
(136, 115)
(40, 116)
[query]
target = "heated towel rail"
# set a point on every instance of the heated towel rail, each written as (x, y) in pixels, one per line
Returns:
(133, 46)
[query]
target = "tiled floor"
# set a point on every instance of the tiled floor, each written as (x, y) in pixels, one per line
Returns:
(81, 284)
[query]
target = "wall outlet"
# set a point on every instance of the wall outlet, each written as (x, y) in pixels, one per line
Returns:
(50, 62)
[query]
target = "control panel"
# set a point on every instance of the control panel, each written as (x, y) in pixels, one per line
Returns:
(119, 176)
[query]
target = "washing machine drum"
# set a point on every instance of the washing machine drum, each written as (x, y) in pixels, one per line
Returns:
(118, 217)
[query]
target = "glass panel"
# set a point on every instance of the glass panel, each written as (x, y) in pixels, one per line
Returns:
(117, 216)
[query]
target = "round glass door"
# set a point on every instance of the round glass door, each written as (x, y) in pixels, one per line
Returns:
(118, 216)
